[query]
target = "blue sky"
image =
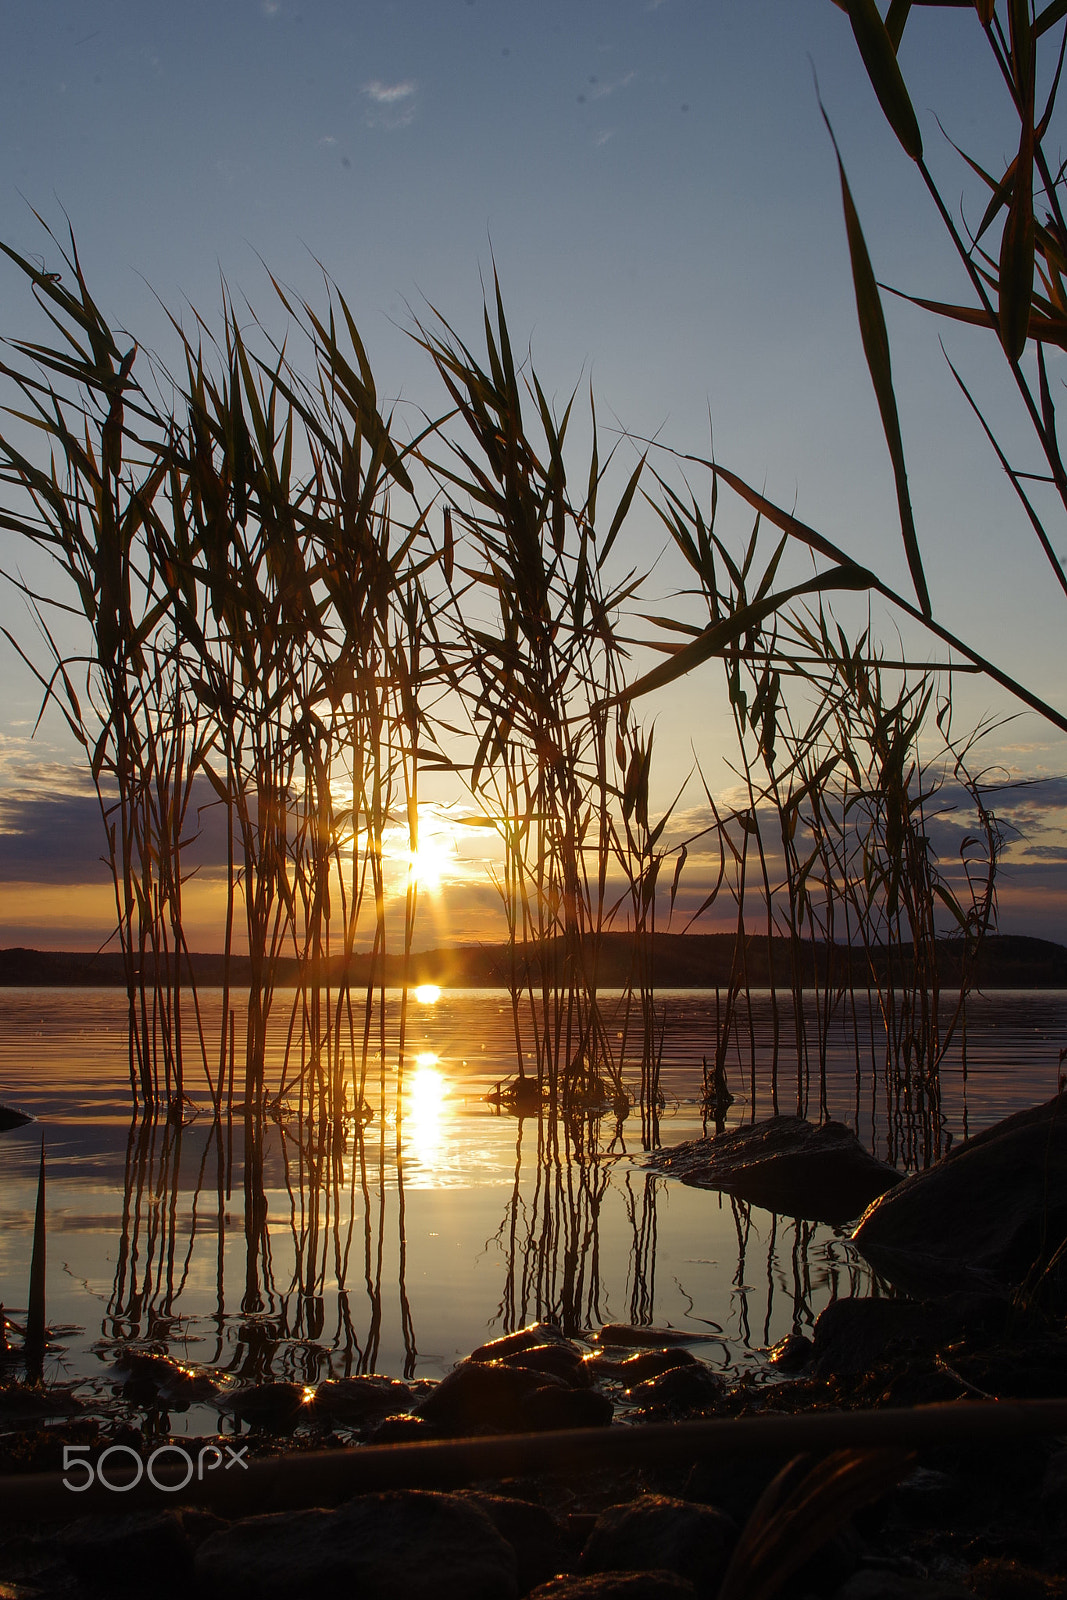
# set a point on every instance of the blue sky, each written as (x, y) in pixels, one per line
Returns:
(658, 190)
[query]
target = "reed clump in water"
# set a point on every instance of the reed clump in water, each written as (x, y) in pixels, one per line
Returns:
(276, 631)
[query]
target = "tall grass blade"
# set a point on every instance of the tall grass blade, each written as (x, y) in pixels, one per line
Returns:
(35, 1310)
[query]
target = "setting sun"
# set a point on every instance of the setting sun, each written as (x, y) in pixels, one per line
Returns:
(427, 994)
(430, 861)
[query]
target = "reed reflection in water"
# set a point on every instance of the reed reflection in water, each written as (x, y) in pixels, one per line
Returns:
(398, 1246)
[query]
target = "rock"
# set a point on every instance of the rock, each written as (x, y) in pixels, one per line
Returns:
(545, 1410)
(277, 1407)
(983, 1216)
(540, 1542)
(561, 1361)
(785, 1164)
(115, 1555)
(877, 1583)
(148, 1379)
(536, 1333)
(410, 1545)
(355, 1402)
(854, 1335)
(791, 1354)
(657, 1531)
(618, 1586)
(483, 1394)
(679, 1389)
(10, 1118)
(403, 1429)
(632, 1336)
(650, 1363)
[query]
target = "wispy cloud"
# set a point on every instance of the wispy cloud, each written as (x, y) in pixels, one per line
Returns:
(390, 105)
(600, 91)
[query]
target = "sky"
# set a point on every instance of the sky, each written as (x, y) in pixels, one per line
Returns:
(655, 184)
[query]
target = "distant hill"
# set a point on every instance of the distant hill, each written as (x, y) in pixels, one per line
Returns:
(681, 961)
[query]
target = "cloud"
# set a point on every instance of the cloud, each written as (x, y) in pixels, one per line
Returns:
(600, 91)
(389, 105)
(270, 8)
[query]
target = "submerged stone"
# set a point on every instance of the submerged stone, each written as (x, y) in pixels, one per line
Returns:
(785, 1164)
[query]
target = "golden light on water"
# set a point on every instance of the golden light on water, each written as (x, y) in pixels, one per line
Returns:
(426, 1111)
(428, 994)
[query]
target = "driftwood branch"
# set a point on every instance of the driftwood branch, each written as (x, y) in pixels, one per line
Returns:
(328, 1477)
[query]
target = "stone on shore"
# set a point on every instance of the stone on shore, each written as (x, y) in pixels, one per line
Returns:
(658, 1531)
(989, 1216)
(785, 1164)
(409, 1545)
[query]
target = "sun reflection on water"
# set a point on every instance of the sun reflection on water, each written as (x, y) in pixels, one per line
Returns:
(425, 1110)
(428, 994)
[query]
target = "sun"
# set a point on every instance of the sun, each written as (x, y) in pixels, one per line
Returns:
(429, 863)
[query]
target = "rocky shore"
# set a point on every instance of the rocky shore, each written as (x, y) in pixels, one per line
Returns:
(949, 1521)
(590, 1495)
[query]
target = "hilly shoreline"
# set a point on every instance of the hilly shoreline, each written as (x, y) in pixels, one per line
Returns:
(681, 961)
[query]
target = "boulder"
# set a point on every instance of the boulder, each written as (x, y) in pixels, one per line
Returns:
(111, 1555)
(357, 1402)
(785, 1164)
(534, 1334)
(484, 1394)
(658, 1531)
(410, 1545)
(10, 1118)
(679, 1390)
(988, 1216)
(852, 1336)
(541, 1543)
(561, 1361)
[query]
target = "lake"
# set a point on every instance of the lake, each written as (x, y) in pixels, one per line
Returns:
(399, 1256)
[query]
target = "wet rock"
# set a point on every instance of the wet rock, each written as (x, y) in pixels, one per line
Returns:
(679, 1389)
(791, 1354)
(561, 1361)
(632, 1336)
(481, 1394)
(541, 1544)
(984, 1215)
(403, 1429)
(851, 1336)
(148, 1379)
(650, 1363)
(10, 1118)
(411, 1545)
(660, 1585)
(355, 1402)
(509, 1344)
(20, 1404)
(277, 1407)
(785, 1164)
(551, 1408)
(660, 1532)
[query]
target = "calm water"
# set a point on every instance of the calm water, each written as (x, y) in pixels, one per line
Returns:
(367, 1262)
